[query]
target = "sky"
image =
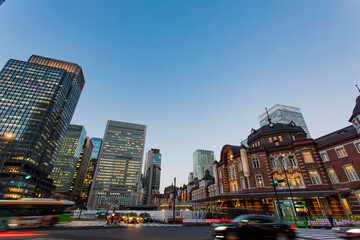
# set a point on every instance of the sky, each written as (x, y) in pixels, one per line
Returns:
(197, 73)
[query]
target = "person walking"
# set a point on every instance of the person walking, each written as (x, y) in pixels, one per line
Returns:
(331, 220)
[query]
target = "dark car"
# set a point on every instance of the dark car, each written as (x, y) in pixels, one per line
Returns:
(101, 215)
(145, 218)
(131, 218)
(254, 227)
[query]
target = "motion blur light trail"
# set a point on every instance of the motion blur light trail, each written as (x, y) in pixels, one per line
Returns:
(22, 234)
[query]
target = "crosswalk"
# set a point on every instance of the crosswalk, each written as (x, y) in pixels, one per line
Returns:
(102, 224)
(316, 235)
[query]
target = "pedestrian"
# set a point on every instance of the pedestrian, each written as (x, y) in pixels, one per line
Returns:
(331, 220)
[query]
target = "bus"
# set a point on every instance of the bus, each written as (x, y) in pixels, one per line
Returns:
(34, 212)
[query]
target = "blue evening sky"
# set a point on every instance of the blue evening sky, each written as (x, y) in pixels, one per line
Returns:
(197, 73)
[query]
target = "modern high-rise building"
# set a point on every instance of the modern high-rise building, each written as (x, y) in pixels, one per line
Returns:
(284, 114)
(67, 160)
(91, 169)
(118, 170)
(203, 160)
(153, 156)
(152, 174)
(80, 173)
(38, 99)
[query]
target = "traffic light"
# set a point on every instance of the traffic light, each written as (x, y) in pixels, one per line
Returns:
(276, 183)
(27, 177)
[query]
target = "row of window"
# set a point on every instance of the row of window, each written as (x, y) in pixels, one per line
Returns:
(340, 152)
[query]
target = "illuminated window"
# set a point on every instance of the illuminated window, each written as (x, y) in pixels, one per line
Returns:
(270, 140)
(315, 178)
(259, 180)
(332, 175)
(307, 157)
(351, 173)
(340, 151)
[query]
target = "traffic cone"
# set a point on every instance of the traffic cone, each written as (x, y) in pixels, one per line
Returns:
(164, 221)
(108, 221)
(115, 221)
(311, 226)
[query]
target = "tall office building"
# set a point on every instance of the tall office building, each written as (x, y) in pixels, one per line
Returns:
(284, 114)
(153, 156)
(67, 160)
(203, 160)
(152, 174)
(117, 173)
(38, 99)
(91, 169)
(80, 173)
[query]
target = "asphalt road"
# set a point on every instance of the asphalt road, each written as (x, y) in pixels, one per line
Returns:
(135, 232)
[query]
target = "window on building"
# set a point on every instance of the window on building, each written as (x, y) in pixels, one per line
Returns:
(259, 180)
(282, 163)
(242, 181)
(315, 177)
(273, 163)
(340, 151)
(270, 140)
(357, 146)
(351, 173)
(220, 175)
(324, 156)
(293, 162)
(256, 162)
(240, 166)
(332, 175)
(307, 157)
(357, 193)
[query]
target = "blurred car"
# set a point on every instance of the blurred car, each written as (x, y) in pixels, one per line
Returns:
(101, 215)
(254, 227)
(131, 218)
(349, 231)
(145, 218)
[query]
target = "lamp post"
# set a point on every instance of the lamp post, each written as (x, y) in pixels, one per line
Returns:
(277, 197)
(287, 181)
(174, 200)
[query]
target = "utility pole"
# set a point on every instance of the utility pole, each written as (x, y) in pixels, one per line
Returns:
(288, 184)
(277, 197)
(174, 193)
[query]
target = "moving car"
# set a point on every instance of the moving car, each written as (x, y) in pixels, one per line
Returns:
(254, 227)
(131, 218)
(145, 217)
(349, 231)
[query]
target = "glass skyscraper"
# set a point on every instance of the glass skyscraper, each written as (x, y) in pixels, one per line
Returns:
(284, 114)
(68, 158)
(80, 173)
(117, 173)
(91, 169)
(152, 174)
(38, 99)
(203, 160)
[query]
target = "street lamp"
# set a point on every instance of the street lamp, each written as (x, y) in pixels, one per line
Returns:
(287, 181)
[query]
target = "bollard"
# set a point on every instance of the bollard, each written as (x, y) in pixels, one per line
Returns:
(108, 220)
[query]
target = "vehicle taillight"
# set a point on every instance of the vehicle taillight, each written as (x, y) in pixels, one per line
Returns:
(293, 226)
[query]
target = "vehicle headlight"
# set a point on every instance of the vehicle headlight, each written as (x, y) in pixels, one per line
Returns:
(354, 230)
(222, 228)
